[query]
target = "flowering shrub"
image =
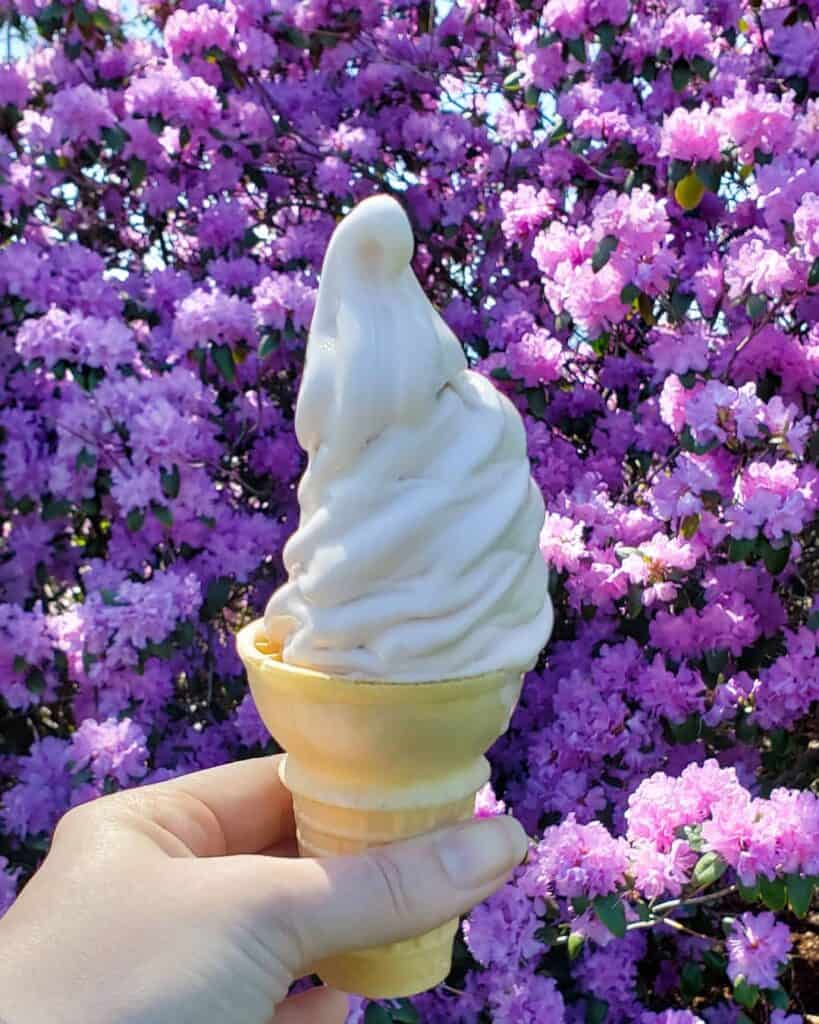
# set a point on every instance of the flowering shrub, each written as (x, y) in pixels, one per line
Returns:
(617, 210)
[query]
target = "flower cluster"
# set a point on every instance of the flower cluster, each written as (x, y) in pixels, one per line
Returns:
(616, 210)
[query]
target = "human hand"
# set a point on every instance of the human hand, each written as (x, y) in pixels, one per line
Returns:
(182, 902)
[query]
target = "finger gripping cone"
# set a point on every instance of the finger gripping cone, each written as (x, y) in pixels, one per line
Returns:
(371, 762)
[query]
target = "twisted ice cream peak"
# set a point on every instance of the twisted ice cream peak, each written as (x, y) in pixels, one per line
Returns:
(416, 557)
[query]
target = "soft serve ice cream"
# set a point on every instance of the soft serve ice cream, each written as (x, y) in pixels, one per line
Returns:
(416, 557)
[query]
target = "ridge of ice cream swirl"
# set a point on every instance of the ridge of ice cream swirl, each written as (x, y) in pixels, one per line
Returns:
(416, 557)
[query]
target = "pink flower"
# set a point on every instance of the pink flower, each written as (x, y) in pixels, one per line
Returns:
(691, 135)
(806, 225)
(536, 359)
(524, 211)
(487, 804)
(687, 35)
(758, 120)
(760, 269)
(576, 860)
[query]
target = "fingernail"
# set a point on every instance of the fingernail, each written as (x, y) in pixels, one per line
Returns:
(476, 853)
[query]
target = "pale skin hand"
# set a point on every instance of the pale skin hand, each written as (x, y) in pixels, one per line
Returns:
(182, 902)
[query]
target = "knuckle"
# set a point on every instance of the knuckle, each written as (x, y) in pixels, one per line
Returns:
(396, 891)
(74, 818)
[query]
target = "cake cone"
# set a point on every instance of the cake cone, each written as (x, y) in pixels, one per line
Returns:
(371, 762)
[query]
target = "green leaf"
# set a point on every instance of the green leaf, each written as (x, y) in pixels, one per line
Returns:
(813, 273)
(610, 911)
(679, 169)
(156, 123)
(577, 48)
(741, 550)
(813, 621)
(575, 945)
(559, 133)
(605, 247)
(19, 663)
(710, 174)
(774, 892)
(115, 138)
(687, 730)
(606, 33)
(405, 1013)
(775, 559)
(646, 307)
(102, 19)
(690, 525)
(170, 481)
(702, 66)
(747, 731)
(749, 893)
(223, 359)
(579, 904)
(714, 961)
(691, 980)
(690, 444)
(689, 192)
(531, 97)
(135, 519)
(596, 1010)
(746, 995)
(86, 458)
(681, 74)
(500, 373)
(708, 869)
(512, 81)
(715, 661)
(536, 402)
(217, 595)
(680, 301)
(137, 170)
(756, 306)
(54, 508)
(162, 513)
(629, 293)
(375, 1014)
(109, 597)
(778, 998)
(800, 893)
(35, 681)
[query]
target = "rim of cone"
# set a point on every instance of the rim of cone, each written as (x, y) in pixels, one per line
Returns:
(259, 656)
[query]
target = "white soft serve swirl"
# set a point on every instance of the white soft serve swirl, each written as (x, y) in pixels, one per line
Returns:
(416, 557)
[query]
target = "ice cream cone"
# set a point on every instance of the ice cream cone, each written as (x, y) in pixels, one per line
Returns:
(371, 762)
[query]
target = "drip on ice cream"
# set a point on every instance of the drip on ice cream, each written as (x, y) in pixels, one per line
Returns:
(416, 557)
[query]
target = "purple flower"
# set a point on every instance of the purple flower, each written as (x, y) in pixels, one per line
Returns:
(81, 113)
(8, 885)
(111, 749)
(501, 930)
(758, 947)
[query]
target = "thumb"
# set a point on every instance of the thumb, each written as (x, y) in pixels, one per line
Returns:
(391, 892)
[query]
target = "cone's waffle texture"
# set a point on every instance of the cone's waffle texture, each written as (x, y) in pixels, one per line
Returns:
(370, 762)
